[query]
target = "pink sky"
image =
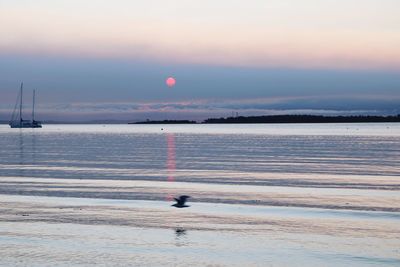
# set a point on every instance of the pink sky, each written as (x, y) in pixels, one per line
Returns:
(278, 33)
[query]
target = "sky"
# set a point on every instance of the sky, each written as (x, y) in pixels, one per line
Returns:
(108, 60)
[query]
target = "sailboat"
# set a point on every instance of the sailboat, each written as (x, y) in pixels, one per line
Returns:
(17, 121)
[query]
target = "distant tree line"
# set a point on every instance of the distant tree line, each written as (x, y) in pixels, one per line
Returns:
(164, 122)
(304, 119)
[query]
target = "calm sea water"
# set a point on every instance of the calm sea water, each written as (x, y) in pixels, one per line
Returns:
(325, 194)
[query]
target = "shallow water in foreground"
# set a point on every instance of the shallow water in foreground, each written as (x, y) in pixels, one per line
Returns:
(278, 195)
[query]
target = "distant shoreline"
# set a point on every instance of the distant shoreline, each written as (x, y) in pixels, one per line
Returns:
(283, 119)
(304, 119)
(165, 122)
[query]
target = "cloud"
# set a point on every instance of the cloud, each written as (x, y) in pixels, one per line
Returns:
(205, 108)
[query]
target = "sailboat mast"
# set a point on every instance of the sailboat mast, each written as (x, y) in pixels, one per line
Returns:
(20, 103)
(33, 107)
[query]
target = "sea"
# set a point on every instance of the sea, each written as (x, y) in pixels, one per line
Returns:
(260, 195)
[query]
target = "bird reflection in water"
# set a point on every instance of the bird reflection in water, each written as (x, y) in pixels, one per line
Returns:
(181, 237)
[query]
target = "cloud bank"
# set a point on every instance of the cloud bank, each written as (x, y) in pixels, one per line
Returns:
(206, 108)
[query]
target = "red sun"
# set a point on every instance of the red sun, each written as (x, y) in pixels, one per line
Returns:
(170, 82)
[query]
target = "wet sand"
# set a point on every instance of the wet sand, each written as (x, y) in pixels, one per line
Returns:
(54, 231)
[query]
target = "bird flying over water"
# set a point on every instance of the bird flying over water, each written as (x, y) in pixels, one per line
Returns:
(180, 202)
